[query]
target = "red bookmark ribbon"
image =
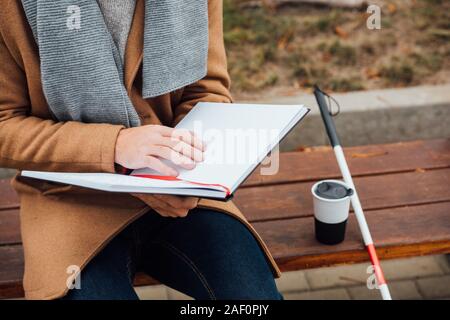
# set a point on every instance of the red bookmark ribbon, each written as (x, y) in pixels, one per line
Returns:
(169, 178)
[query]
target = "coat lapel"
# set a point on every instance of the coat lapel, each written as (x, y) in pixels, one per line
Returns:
(135, 44)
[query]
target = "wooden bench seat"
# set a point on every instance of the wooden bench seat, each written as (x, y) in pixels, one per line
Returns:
(404, 189)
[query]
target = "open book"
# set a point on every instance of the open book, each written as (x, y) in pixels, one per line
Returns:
(238, 137)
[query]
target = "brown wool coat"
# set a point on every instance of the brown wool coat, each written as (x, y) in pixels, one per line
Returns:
(64, 225)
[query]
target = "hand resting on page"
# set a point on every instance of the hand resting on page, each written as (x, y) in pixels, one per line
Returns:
(145, 146)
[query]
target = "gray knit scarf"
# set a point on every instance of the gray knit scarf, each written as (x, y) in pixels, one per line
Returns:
(81, 67)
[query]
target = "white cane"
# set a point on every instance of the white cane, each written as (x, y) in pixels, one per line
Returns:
(356, 204)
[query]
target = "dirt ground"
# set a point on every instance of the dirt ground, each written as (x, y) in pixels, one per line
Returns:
(288, 49)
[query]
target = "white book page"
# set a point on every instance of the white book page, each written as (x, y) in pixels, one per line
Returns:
(237, 136)
(110, 180)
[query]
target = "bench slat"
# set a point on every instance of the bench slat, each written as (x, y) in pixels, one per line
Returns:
(294, 200)
(399, 232)
(376, 192)
(362, 160)
(10, 227)
(317, 165)
(8, 197)
(11, 272)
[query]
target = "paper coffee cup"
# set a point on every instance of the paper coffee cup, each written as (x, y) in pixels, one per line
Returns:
(331, 207)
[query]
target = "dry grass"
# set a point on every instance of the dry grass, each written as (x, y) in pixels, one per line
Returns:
(292, 48)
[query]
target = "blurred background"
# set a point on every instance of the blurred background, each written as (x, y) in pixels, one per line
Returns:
(391, 83)
(280, 46)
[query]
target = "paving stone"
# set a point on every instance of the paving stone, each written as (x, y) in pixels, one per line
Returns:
(327, 294)
(410, 268)
(177, 295)
(444, 262)
(351, 275)
(158, 292)
(340, 276)
(435, 287)
(400, 290)
(292, 281)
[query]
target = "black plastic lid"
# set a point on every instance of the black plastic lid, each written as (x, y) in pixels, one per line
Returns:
(332, 190)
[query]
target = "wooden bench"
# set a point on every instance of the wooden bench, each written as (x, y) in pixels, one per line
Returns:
(404, 189)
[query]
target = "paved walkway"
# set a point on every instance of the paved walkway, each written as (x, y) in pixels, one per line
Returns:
(373, 117)
(413, 278)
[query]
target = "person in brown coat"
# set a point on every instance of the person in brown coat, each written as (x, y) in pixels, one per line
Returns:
(87, 244)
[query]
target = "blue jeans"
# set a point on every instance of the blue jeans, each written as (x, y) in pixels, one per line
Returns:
(206, 255)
